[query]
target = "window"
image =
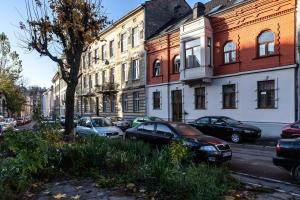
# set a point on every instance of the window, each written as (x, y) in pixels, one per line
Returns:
(200, 98)
(229, 52)
(89, 59)
(176, 64)
(209, 51)
(229, 96)
(90, 82)
(125, 102)
(97, 79)
(266, 94)
(105, 103)
(156, 100)
(124, 72)
(192, 53)
(85, 105)
(84, 61)
(266, 45)
(156, 68)
(84, 82)
(124, 42)
(111, 48)
(135, 37)
(96, 56)
(103, 52)
(147, 127)
(135, 70)
(136, 102)
(204, 120)
(112, 75)
(164, 130)
(103, 77)
(113, 104)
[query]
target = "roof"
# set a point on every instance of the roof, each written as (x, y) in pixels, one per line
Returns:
(215, 6)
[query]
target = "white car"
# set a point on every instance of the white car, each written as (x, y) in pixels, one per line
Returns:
(98, 126)
(11, 122)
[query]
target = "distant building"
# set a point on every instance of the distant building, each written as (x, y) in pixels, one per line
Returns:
(48, 103)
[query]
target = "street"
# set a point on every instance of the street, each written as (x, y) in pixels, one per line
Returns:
(253, 164)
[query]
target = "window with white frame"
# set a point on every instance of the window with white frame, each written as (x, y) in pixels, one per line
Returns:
(97, 79)
(111, 48)
(266, 44)
(96, 56)
(229, 52)
(192, 53)
(112, 75)
(156, 68)
(103, 52)
(103, 77)
(89, 59)
(124, 42)
(113, 104)
(125, 72)
(135, 70)
(135, 37)
(136, 102)
(176, 64)
(105, 103)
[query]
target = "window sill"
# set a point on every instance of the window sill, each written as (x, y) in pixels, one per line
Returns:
(232, 63)
(136, 79)
(159, 76)
(273, 108)
(200, 109)
(268, 56)
(230, 108)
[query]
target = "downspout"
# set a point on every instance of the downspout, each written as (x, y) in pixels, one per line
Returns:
(297, 58)
(168, 85)
(145, 61)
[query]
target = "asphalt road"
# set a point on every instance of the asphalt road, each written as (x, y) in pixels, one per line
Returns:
(257, 161)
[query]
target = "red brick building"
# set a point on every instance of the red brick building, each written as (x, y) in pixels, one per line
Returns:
(237, 59)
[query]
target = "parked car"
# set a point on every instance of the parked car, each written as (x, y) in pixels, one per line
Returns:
(288, 156)
(20, 121)
(11, 122)
(139, 120)
(120, 123)
(100, 126)
(226, 128)
(291, 131)
(205, 148)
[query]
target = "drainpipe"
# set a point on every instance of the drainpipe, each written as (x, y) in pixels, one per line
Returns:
(297, 57)
(169, 56)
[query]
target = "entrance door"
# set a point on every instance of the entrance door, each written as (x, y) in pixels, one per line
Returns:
(177, 105)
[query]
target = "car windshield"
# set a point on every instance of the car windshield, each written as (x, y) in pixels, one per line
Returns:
(101, 122)
(230, 121)
(156, 119)
(186, 130)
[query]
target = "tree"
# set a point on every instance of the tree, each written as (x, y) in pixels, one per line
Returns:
(10, 70)
(63, 31)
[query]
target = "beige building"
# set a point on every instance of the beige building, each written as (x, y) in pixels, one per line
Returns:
(58, 98)
(114, 69)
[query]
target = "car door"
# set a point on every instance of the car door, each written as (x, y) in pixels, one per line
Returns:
(203, 125)
(80, 126)
(164, 135)
(146, 132)
(219, 128)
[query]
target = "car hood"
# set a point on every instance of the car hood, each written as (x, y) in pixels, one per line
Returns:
(109, 129)
(245, 127)
(203, 139)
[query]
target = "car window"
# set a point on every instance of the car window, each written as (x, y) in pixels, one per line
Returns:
(296, 125)
(216, 121)
(204, 120)
(81, 122)
(162, 129)
(148, 127)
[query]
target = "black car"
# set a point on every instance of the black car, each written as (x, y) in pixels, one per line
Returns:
(288, 156)
(121, 123)
(226, 128)
(205, 148)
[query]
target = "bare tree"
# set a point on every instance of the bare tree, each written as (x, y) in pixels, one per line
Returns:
(63, 31)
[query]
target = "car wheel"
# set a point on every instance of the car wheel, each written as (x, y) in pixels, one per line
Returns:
(236, 138)
(296, 173)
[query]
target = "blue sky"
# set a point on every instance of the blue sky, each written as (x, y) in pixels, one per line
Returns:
(39, 70)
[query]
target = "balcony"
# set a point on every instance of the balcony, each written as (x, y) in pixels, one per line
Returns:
(85, 92)
(107, 88)
(196, 74)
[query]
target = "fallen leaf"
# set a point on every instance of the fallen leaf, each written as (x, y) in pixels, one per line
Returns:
(76, 197)
(78, 188)
(59, 196)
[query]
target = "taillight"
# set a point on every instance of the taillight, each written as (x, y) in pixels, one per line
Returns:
(278, 147)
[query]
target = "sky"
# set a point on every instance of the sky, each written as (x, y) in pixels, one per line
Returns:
(40, 70)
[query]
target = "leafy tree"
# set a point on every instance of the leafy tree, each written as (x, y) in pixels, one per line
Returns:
(63, 30)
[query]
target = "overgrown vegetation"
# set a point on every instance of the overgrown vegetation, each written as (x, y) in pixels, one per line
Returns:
(33, 157)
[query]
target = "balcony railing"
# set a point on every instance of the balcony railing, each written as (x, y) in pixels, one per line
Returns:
(203, 73)
(107, 88)
(85, 92)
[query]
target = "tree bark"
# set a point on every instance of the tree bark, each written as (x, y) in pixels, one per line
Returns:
(69, 116)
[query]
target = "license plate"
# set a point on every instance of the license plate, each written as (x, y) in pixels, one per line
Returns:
(226, 154)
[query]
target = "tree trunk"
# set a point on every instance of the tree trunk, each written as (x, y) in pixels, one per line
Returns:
(70, 101)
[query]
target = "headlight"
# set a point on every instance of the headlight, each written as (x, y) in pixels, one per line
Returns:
(208, 148)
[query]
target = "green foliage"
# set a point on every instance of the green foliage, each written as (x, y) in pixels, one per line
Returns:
(110, 162)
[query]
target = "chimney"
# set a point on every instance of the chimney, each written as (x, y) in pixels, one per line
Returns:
(198, 10)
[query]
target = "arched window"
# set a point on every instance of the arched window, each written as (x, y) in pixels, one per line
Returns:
(156, 68)
(266, 45)
(176, 64)
(229, 52)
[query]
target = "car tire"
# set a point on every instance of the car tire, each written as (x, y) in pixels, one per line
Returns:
(296, 173)
(235, 138)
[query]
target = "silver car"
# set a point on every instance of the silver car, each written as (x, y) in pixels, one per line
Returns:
(99, 126)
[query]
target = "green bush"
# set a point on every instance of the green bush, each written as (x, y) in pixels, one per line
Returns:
(109, 162)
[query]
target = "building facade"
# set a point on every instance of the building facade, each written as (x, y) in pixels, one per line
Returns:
(237, 60)
(114, 69)
(58, 98)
